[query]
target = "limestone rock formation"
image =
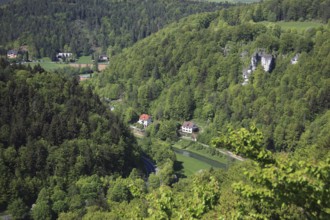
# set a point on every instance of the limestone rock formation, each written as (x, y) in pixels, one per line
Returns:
(267, 62)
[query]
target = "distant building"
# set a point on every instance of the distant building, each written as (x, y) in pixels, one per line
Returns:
(145, 120)
(103, 58)
(12, 54)
(83, 78)
(188, 127)
(62, 55)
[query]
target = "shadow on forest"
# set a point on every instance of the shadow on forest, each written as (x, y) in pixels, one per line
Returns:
(178, 168)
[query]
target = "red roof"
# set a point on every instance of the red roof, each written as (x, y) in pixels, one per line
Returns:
(144, 117)
(188, 124)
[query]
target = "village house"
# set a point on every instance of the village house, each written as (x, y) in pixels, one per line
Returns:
(103, 58)
(83, 78)
(145, 120)
(12, 54)
(62, 55)
(188, 127)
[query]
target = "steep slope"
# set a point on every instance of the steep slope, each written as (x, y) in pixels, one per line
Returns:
(194, 69)
(54, 130)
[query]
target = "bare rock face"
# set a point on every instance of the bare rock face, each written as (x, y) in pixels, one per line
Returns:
(246, 75)
(295, 59)
(267, 62)
(254, 61)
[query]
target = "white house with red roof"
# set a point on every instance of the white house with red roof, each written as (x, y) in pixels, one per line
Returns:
(145, 120)
(188, 127)
(12, 54)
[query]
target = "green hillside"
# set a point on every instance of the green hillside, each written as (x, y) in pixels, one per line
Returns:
(83, 27)
(193, 69)
(253, 79)
(53, 131)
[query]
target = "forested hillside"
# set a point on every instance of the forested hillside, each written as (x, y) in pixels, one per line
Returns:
(53, 132)
(258, 90)
(193, 69)
(82, 26)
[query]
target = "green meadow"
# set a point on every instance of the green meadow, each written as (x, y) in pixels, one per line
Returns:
(191, 165)
(199, 149)
(295, 25)
(85, 60)
(47, 64)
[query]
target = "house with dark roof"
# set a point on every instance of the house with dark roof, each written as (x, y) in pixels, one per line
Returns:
(12, 54)
(63, 55)
(188, 127)
(103, 58)
(145, 120)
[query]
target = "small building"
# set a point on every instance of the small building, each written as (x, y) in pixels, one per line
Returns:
(145, 120)
(83, 78)
(12, 54)
(188, 127)
(63, 55)
(103, 58)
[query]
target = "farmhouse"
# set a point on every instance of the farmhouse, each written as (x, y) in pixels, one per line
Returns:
(103, 58)
(188, 127)
(145, 120)
(12, 54)
(62, 55)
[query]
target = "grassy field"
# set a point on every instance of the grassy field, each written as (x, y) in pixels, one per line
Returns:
(199, 149)
(85, 60)
(191, 165)
(49, 65)
(295, 25)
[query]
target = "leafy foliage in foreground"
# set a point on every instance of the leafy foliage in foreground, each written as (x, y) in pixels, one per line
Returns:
(287, 187)
(282, 185)
(53, 132)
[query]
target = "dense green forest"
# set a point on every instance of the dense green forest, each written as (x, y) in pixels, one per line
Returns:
(83, 26)
(193, 69)
(65, 155)
(53, 133)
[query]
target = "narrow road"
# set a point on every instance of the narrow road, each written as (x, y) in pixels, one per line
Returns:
(225, 152)
(148, 165)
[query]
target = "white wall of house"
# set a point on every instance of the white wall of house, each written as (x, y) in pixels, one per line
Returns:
(186, 130)
(145, 122)
(64, 54)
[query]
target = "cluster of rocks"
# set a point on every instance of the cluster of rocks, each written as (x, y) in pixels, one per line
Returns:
(267, 62)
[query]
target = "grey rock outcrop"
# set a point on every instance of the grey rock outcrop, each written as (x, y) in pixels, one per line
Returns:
(295, 59)
(267, 62)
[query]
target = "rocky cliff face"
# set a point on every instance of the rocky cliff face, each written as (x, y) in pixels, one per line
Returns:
(295, 59)
(267, 62)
